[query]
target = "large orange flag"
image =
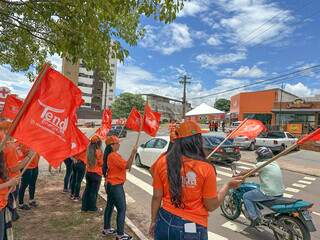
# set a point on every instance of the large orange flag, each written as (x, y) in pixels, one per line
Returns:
(105, 124)
(134, 120)
(48, 124)
(250, 128)
(11, 107)
(151, 121)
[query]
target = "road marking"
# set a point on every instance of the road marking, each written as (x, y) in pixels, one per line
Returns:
(213, 236)
(225, 168)
(309, 178)
(299, 185)
(287, 195)
(304, 182)
(129, 199)
(289, 189)
(234, 226)
(144, 171)
(315, 213)
(224, 173)
(248, 164)
(149, 189)
(243, 167)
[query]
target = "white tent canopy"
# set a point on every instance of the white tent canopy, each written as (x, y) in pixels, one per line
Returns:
(203, 109)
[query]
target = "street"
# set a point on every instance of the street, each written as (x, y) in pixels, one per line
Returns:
(139, 191)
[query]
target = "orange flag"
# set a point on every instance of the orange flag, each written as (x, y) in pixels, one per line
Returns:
(134, 120)
(11, 107)
(105, 124)
(48, 125)
(151, 121)
(314, 136)
(250, 128)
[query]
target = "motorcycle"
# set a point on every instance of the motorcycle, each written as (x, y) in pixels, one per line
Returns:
(288, 218)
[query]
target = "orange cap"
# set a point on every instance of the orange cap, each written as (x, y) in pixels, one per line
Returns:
(94, 139)
(112, 140)
(187, 128)
(5, 125)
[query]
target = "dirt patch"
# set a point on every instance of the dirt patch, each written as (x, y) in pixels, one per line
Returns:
(57, 217)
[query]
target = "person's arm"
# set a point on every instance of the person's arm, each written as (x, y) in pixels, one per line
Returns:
(213, 203)
(131, 158)
(10, 183)
(22, 163)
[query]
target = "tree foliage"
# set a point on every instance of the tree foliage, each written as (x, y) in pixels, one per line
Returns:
(122, 106)
(222, 104)
(91, 30)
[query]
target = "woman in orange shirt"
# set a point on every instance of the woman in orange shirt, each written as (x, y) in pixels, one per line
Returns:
(115, 169)
(93, 175)
(184, 188)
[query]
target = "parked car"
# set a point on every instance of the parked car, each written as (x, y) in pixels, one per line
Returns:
(244, 142)
(150, 151)
(277, 141)
(116, 129)
(234, 125)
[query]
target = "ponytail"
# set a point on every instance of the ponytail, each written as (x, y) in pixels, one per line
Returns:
(107, 151)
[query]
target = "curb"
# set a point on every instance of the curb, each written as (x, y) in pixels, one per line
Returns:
(129, 223)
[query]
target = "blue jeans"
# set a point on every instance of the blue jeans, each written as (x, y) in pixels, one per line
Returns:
(250, 198)
(169, 226)
(116, 198)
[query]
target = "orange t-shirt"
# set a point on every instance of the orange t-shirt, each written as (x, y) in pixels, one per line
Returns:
(34, 162)
(11, 157)
(198, 182)
(3, 196)
(82, 156)
(117, 169)
(98, 167)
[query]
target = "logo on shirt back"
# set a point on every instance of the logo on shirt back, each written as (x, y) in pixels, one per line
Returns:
(190, 180)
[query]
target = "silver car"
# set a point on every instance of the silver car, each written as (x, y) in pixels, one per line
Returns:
(244, 142)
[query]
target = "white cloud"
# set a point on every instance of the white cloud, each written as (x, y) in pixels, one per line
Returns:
(245, 71)
(214, 41)
(193, 8)
(211, 61)
(169, 39)
(255, 22)
(301, 90)
(56, 61)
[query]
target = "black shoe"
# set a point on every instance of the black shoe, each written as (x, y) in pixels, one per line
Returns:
(33, 204)
(65, 191)
(71, 197)
(255, 222)
(76, 199)
(24, 207)
(109, 232)
(123, 237)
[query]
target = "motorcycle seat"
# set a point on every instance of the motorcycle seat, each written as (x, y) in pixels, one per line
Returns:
(279, 201)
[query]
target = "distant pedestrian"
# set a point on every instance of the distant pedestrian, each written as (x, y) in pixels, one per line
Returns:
(211, 126)
(223, 125)
(78, 171)
(93, 175)
(67, 177)
(216, 126)
(115, 175)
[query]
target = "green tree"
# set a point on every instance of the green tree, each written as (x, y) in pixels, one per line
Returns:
(122, 106)
(91, 30)
(222, 104)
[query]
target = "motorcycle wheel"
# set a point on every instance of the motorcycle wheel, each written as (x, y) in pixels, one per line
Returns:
(229, 207)
(293, 227)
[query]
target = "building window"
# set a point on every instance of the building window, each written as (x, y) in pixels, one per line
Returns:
(85, 75)
(84, 84)
(110, 90)
(110, 98)
(87, 94)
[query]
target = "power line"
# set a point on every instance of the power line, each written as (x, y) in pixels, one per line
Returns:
(288, 76)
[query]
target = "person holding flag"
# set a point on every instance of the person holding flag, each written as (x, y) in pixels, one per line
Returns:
(115, 174)
(93, 175)
(185, 188)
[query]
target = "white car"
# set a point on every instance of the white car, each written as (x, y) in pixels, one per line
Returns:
(277, 141)
(150, 151)
(244, 142)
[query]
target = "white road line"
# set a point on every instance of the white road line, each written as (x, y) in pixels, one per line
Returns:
(299, 185)
(315, 213)
(129, 199)
(304, 182)
(294, 190)
(148, 188)
(243, 167)
(248, 164)
(144, 171)
(225, 168)
(234, 226)
(309, 178)
(224, 173)
(287, 195)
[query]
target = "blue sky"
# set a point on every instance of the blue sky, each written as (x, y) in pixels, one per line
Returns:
(221, 44)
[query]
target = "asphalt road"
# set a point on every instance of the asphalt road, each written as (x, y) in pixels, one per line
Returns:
(139, 191)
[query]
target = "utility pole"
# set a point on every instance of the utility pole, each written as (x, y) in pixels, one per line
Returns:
(280, 113)
(184, 81)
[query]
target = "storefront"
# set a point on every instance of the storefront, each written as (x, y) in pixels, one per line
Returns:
(298, 116)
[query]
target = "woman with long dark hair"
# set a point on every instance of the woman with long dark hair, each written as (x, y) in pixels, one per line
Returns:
(184, 188)
(115, 176)
(93, 175)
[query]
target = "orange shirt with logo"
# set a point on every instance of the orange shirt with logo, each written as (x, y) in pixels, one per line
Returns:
(34, 162)
(11, 157)
(3, 196)
(198, 182)
(98, 167)
(117, 169)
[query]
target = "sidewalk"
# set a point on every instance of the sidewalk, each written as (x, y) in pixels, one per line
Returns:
(303, 161)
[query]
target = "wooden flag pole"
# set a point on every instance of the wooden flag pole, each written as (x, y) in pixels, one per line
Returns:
(284, 152)
(26, 103)
(226, 138)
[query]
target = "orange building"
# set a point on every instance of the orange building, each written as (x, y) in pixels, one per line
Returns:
(258, 105)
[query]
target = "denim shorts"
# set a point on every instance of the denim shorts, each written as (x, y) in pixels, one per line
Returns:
(171, 227)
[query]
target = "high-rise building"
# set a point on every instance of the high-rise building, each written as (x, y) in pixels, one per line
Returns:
(97, 94)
